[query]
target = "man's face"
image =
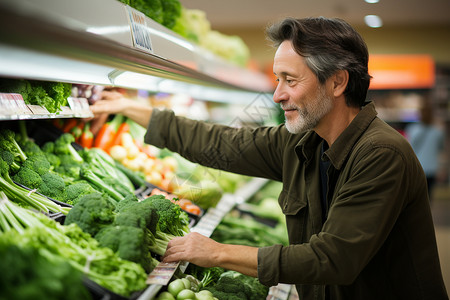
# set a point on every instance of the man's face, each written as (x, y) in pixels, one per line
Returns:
(304, 100)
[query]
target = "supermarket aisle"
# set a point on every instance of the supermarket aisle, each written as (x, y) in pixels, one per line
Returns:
(440, 207)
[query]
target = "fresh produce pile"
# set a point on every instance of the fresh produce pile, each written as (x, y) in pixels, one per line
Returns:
(22, 164)
(133, 229)
(214, 284)
(70, 253)
(51, 95)
(59, 171)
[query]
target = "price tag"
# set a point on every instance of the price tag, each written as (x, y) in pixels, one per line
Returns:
(139, 31)
(13, 104)
(38, 110)
(162, 273)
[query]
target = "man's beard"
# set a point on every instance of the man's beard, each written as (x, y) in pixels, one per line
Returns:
(309, 116)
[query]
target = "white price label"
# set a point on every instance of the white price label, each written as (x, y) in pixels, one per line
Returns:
(139, 30)
(13, 104)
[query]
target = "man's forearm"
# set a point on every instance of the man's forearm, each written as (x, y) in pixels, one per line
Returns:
(139, 113)
(243, 259)
(205, 252)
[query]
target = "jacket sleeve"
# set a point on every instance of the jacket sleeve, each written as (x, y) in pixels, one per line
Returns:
(253, 152)
(366, 206)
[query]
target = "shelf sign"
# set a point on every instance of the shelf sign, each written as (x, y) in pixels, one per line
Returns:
(401, 71)
(13, 104)
(139, 31)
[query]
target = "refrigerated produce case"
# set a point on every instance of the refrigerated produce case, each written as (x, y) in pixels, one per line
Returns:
(108, 43)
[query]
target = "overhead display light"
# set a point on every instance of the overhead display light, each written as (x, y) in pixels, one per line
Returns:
(372, 1)
(373, 21)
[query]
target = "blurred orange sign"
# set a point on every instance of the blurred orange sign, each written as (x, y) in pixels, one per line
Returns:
(401, 71)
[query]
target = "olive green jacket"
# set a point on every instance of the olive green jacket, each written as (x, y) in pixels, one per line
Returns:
(378, 240)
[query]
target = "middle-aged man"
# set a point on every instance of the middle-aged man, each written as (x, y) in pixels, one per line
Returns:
(354, 194)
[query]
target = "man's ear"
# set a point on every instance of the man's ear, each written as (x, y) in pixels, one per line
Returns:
(340, 81)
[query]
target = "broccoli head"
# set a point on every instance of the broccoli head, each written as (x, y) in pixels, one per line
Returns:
(48, 147)
(9, 158)
(140, 215)
(171, 12)
(18, 86)
(172, 219)
(232, 282)
(52, 186)
(37, 163)
(29, 147)
(125, 202)
(9, 143)
(92, 213)
(63, 146)
(151, 8)
(74, 192)
(129, 243)
(68, 167)
(28, 178)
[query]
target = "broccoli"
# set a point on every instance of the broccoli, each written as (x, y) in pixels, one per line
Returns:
(53, 159)
(207, 276)
(130, 243)
(127, 201)
(74, 192)
(48, 147)
(37, 163)
(172, 219)
(15, 192)
(59, 92)
(171, 12)
(28, 178)
(68, 167)
(144, 215)
(52, 186)
(87, 174)
(63, 145)
(9, 143)
(151, 8)
(18, 86)
(48, 150)
(240, 285)
(92, 213)
(29, 147)
(9, 158)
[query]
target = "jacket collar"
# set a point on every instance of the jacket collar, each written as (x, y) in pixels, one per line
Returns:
(339, 151)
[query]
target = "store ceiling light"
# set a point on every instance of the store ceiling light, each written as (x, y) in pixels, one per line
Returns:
(372, 1)
(373, 21)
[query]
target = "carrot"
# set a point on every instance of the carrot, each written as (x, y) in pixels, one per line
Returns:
(193, 209)
(124, 127)
(107, 132)
(87, 138)
(184, 202)
(69, 125)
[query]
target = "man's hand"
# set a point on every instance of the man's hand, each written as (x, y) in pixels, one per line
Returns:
(115, 103)
(205, 252)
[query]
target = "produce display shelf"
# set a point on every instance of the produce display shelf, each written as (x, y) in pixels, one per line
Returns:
(60, 41)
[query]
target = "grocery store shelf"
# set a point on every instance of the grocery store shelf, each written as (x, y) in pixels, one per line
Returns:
(59, 41)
